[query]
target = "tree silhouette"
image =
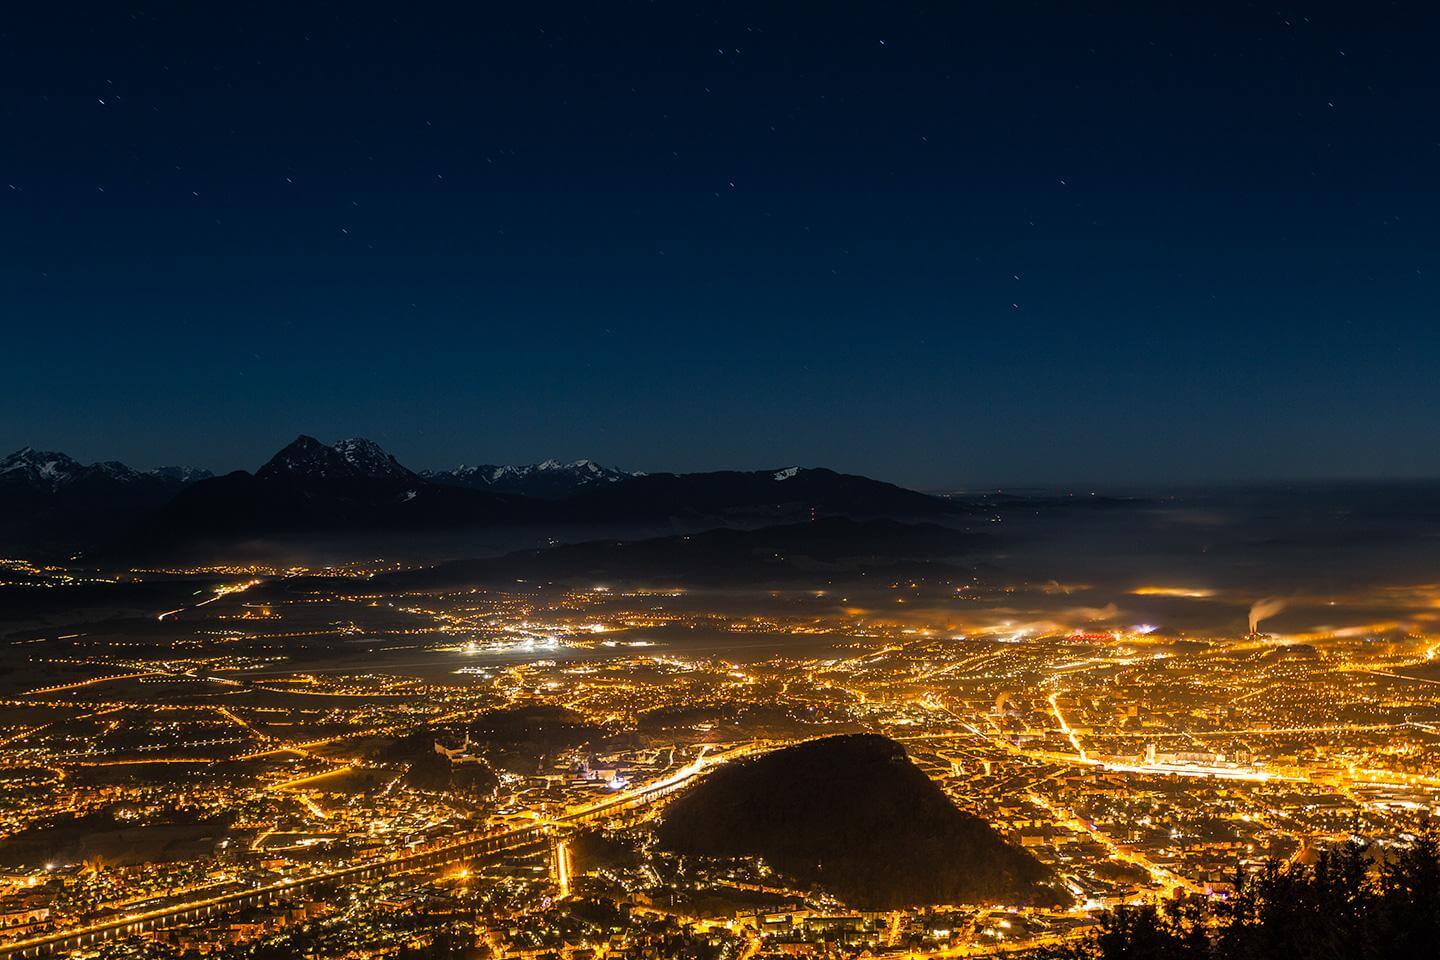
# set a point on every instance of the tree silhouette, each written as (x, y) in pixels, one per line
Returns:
(1344, 907)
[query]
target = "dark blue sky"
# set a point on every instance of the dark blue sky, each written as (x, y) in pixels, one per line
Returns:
(938, 243)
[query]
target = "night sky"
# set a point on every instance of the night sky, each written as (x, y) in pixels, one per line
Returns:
(944, 244)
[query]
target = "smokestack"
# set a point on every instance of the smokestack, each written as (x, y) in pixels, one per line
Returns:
(1262, 609)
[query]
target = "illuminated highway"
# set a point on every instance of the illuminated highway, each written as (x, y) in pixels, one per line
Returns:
(449, 852)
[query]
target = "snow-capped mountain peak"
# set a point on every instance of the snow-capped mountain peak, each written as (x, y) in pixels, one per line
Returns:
(182, 474)
(549, 478)
(370, 458)
(48, 471)
(42, 468)
(306, 458)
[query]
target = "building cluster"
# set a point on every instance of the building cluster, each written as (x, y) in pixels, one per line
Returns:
(344, 772)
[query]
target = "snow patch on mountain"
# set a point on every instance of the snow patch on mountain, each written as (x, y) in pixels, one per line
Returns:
(369, 458)
(182, 474)
(50, 472)
(548, 478)
(308, 459)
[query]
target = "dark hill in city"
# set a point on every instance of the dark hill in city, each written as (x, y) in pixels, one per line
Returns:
(854, 816)
(832, 549)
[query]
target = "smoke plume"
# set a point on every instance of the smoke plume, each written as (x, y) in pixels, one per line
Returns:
(1262, 609)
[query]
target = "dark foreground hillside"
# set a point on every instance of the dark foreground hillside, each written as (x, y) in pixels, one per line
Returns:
(853, 815)
(1353, 904)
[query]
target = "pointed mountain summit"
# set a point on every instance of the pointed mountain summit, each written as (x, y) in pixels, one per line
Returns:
(40, 469)
(306, 458)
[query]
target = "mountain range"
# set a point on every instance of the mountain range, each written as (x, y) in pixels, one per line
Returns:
(355, 487)
(50, 501)
(549, 479)
(32, 471)
(309, 487)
